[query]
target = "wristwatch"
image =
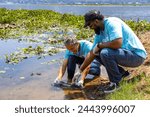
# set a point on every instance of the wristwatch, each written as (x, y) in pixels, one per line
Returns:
(98, 45)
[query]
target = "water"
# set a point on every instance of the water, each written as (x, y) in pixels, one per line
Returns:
(29, 79)
(124, 12)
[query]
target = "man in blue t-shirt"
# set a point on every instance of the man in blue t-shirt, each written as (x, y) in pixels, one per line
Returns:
(75, 54)
(115, 45)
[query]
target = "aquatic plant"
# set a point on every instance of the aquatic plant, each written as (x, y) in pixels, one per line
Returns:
(15, 57)
(139, 25)
(24, 53)
(15, 23)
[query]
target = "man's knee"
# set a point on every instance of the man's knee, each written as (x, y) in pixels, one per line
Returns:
(106, 52)
(95, 68)
(95, 71)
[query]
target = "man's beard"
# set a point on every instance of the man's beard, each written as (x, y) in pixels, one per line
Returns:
(97, 30)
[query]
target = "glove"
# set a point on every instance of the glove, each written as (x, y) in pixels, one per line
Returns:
(76, 76)
(57, 81)
(96, 50)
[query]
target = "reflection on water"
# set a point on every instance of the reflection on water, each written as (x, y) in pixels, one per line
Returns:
(124, 12)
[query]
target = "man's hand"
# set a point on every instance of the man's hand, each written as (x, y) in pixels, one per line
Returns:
(80, 83)
(76, 76)
(96, 50)
(57, 80)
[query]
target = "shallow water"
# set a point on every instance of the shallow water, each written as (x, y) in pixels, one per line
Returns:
(29, 79)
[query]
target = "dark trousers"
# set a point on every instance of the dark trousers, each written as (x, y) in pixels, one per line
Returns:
(74, 60)
(111, 59)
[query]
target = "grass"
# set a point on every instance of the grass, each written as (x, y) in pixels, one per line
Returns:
(136, 88)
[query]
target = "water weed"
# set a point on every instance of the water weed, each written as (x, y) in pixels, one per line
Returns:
(26, 22)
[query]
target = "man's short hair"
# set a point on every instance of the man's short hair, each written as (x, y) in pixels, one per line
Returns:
(92, 15)
(70, 40)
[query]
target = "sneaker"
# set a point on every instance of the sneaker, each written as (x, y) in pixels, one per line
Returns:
(112, 87)
(61, 84)
(58, 84)
(75, 86)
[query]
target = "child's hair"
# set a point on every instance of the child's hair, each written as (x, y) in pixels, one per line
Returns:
(70, 40)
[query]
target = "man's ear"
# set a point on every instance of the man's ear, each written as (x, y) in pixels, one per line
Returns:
(97, 21)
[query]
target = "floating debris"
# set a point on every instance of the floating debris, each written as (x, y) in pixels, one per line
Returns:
(2, 72)
(22, 78)
(38, 74)
(31, 74)
(4, 26)
(54, 60)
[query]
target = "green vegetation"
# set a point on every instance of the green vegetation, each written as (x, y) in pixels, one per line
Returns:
(15, 23)
(139, 26)
(27, 22)
(136, 88)
(24, 53)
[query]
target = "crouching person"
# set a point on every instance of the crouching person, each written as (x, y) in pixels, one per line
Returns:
(75, 55)
(115, 45)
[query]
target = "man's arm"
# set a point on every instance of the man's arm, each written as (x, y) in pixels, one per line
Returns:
(89, 58)
(115, 44)
(62, 69)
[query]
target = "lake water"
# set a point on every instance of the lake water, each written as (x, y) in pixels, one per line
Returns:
(124, 12)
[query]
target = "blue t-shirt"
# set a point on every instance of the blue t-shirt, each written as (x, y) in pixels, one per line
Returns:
(116, 28)
(85, 48)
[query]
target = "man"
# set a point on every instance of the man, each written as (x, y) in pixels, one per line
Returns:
(115, 45)
(75, 54)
